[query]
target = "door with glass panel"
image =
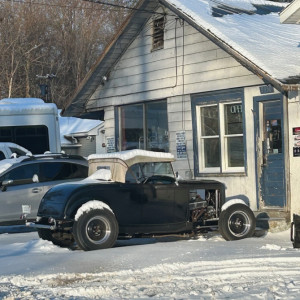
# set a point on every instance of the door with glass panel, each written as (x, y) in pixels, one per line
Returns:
(270, 153)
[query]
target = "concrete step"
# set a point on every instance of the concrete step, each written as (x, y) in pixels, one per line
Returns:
(273, 220)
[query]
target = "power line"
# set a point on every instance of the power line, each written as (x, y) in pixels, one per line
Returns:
(123, 6)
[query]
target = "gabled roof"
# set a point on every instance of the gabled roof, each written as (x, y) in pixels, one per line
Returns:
(259, 42)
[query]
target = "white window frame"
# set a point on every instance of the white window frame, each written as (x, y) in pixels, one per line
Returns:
(223, 138)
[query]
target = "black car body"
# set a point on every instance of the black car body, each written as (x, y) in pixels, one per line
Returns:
(133, 194)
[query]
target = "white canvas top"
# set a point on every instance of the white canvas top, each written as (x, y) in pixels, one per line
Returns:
(273, 46)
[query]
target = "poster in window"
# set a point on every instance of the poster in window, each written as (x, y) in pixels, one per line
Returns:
(181, 145)
(110, 142)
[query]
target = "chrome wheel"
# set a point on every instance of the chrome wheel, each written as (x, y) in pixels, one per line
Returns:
(98, 230)
(239, 223)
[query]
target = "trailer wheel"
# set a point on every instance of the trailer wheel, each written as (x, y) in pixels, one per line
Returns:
(237, 222)
(96, 229)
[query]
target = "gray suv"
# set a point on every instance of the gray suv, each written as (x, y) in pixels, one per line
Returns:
(25, 180)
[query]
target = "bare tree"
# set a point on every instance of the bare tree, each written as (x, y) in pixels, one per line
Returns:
(61, 37)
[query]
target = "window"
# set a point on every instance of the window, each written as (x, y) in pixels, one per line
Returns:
(52, 171)
(33, 138)
(220, 133)
(158, 33)
(143, 126)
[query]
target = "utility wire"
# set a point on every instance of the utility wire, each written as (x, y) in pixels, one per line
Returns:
(123, 6)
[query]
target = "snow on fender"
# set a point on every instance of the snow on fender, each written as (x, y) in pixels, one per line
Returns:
(93, 204)
(236, 221)
(232, 202)
(95, 226)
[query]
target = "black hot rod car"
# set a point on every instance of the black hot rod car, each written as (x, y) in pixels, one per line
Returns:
(136, 193)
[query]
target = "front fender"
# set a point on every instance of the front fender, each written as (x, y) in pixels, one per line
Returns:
(232, 202)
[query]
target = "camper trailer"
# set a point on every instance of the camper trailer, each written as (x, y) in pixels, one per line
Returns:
(30, 123)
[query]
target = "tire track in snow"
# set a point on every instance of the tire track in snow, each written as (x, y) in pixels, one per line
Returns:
(257, 278)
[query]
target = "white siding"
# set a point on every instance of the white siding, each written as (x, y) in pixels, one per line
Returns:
(188, 64)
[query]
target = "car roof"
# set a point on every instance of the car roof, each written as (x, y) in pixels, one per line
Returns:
(119, 162)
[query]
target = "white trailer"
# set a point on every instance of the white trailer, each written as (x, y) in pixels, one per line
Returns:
(31, 123)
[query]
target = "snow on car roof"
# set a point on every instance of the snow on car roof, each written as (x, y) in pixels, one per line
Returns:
(127, 155)
(25, 105)
(260, 38)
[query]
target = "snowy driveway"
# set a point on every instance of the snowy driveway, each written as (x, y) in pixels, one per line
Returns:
(208, 268)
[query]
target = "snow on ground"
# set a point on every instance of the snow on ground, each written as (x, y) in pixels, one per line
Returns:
(166, 268)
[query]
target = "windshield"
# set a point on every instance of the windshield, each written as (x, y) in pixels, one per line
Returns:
(144, 170)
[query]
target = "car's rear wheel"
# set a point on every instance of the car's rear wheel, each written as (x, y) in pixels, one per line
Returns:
(237, 222)
(49, 235)
(96, 229)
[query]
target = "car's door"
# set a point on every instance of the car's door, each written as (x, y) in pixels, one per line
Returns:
(158, 206)
(21, 191)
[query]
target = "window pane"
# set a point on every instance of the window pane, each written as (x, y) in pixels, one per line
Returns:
(235, 150)
(233, 118)
(209, 121)
(211, 153)
(157, 126)
(132, 136)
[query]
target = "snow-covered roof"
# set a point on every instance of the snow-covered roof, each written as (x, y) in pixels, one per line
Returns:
(11, 106)
(262, 39)
(130, 154)
(73, 126)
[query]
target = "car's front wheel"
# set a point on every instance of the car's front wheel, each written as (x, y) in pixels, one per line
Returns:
(96, 229)
(237, 222)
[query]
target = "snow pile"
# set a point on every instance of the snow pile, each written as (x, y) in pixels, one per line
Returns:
(101, 174)
(272, 46)
(207, 268)
(129, 154)
(91, 205)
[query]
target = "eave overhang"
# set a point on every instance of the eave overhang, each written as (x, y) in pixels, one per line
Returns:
(291, 14)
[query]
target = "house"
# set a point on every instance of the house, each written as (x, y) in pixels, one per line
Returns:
(81, 136)
(214, 82)
(291, 14)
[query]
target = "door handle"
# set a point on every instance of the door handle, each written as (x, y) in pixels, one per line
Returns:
(36, 190)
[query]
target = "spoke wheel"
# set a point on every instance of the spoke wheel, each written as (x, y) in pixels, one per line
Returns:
(237, 222)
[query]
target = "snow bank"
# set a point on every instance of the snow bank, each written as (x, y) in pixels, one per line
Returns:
(94, 204)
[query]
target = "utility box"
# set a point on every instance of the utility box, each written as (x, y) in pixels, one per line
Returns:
(295, 231)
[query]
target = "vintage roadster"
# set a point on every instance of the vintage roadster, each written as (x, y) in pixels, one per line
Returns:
(136, 193)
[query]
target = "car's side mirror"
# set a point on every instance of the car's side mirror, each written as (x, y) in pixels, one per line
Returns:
(5, 184)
